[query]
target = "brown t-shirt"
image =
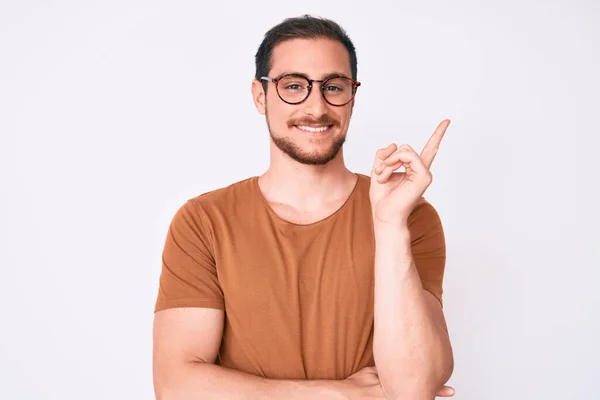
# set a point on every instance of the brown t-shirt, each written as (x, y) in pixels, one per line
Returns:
(298, 299)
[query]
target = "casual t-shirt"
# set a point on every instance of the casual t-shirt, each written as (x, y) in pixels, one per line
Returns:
(298, 299)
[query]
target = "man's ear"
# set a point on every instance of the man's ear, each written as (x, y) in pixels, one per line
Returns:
(259, 96)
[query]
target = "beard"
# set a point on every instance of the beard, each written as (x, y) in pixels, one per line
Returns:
(287, 145)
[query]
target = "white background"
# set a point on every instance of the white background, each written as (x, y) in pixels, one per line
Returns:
(113, 113)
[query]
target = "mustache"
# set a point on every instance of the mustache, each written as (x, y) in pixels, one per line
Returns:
(323, 120)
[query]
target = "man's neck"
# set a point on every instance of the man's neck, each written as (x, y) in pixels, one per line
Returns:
(307, 187)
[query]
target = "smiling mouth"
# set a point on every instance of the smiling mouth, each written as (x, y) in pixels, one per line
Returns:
(314, 129)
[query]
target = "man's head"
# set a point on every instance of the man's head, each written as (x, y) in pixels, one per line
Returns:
(307, 120)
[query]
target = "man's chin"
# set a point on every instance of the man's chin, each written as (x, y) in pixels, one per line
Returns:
(313, 156)
(312, 160)
(309, 149)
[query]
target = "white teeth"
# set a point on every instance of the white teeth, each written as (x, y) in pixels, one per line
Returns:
(313, 129)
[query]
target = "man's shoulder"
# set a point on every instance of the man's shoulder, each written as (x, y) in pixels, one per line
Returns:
(237, 191)
(218, 204)
(223, 203)
(424, 219)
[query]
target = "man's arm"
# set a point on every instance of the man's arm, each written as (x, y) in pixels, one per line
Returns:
(186, 343)
(411, 346)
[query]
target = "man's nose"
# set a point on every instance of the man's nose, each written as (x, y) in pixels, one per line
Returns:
(315, 104)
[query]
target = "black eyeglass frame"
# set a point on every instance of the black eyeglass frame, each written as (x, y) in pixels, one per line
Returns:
(355, 85)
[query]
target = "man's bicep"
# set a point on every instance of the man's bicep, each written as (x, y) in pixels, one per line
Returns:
(185, 335)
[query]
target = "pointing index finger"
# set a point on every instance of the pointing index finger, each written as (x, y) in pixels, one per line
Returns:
(431, 148)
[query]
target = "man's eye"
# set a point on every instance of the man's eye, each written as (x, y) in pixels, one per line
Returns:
(294, 86)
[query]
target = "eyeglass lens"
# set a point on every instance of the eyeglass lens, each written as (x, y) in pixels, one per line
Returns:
(294, 89)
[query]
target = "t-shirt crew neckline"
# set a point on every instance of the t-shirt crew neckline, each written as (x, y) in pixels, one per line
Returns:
(351, 196)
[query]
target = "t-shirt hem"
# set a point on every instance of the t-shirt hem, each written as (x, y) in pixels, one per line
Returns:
(436, 294)
(180, 303)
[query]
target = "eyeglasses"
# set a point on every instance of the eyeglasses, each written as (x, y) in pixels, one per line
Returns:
(294, 88)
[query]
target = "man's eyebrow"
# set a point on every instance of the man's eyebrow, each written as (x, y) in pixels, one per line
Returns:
(325, 77)
(334, 75)
(292, 73)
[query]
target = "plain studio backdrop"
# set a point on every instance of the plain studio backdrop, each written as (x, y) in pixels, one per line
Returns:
(114, 113)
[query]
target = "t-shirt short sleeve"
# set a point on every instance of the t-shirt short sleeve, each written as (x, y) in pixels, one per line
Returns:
(188, 276)
(428, 246)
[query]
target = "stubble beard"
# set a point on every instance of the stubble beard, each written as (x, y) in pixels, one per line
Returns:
(287, 146)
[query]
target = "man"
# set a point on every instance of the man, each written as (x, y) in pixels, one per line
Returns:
(309, 281)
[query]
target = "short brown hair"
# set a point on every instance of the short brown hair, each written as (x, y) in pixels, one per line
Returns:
(304, 27)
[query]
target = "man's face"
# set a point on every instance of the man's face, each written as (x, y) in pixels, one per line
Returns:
(314, 131)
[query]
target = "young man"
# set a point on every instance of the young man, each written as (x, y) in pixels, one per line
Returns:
(309, 281)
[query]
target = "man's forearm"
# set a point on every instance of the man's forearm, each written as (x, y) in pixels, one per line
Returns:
(411, 350)
(209, 381)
